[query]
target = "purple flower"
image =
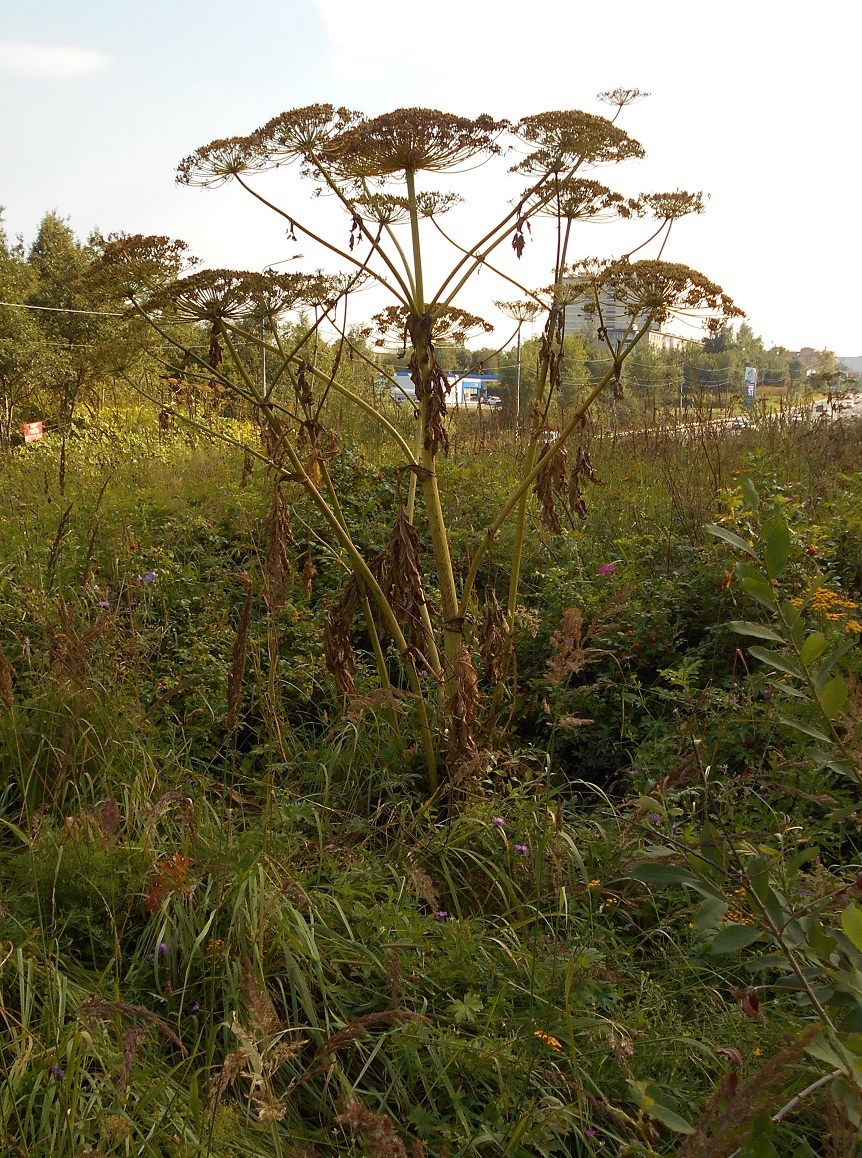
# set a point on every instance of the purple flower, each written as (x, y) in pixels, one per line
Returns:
(607, 568)
(498, 820)
(591, 1133)
(522, 849)
(163, 949)
(195, 1006)
(58, 1073)
(655, 817)
(767, 693)
(442, 914)
(628, 657)
(148, 578)
(104, 603)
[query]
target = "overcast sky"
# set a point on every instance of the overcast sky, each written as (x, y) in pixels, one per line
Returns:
(756, 103)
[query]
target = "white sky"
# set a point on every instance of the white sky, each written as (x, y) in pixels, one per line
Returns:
(756, 103)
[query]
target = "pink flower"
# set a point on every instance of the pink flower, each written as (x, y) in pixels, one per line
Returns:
(607, 568)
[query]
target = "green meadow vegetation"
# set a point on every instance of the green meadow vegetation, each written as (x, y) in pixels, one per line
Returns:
(394, 780)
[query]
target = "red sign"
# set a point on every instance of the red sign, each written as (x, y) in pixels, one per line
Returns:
(33, 431)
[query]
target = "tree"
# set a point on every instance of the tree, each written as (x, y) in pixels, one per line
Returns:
(375, 171)
(23, 351)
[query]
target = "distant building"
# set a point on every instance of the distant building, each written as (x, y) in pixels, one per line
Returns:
(617, 322)
(806, 356)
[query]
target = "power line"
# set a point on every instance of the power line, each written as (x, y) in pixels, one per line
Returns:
(63, 310)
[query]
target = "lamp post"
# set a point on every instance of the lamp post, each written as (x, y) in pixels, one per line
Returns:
(524, 311)
(266, 269)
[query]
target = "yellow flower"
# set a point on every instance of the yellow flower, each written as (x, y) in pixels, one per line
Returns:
(550, 1041)
(757, 1051)
(595, 884)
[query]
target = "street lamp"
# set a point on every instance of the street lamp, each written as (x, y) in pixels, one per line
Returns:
(524, 311)
(266, 269)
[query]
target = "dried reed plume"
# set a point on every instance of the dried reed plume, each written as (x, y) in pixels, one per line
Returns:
(424, 886)
(94, 1009)
(263, 1021)
(377, 1130)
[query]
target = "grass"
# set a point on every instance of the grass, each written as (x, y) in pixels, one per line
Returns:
(220, 939)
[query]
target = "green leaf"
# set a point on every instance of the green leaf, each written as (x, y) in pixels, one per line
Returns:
(663, 874)
(468, 1009)
(803, 857)
(659, 1105)
(834, 696)
(823, 1051)
(813, 648)
(774, 659)
(777, 547)
(729, 537)
(743, 627)
(831, 658)
(791, 692)
(803, 1150)
(749, 494)
(806, 728)
(851, 923)
(766, 961)
(734, 938)
(820, 941)
(757, 585)
(709, 914)
(669, 1118)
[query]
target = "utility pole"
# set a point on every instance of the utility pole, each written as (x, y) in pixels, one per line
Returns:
(519, 312)
(262, 361)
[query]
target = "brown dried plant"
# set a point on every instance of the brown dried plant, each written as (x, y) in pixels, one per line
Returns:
(405, 589)
(94, 1009)
(461, 706)
(424, 886)
(571, 652)
(552, 484)
(410, 140)
(279, 537)
(360, 1026)
(337, 646)
(6, 697)
(495, 639)
(376, 1130)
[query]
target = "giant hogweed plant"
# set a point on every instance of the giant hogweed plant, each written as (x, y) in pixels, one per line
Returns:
(371, 170)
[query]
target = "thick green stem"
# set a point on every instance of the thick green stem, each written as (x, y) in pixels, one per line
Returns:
(362, 569)
(529, 478)
(421, 336)
(529, 465)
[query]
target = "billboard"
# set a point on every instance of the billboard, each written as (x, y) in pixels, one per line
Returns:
(749, 390)
(33, 431)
